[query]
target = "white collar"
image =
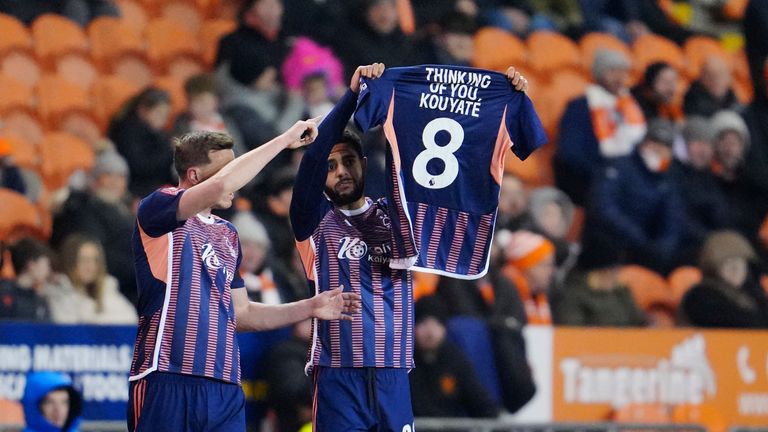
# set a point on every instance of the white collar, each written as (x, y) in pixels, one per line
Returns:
(357, 211)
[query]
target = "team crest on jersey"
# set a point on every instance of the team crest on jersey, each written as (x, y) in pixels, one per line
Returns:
(352, 248)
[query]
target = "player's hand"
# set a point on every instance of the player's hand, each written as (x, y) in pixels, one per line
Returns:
(335, 304)
(517, 80)
(302, 133)
(371, 71)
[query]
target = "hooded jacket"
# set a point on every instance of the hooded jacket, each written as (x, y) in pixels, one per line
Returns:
(40, 384)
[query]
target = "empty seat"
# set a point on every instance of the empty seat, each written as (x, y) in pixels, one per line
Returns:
(113, 38)
(14, 35)
(168, 40)
(22, 66)
(25, 154)
(652, 48)
(109, 94)
(77, 70)
(20, 217)
(62, 154)
(186, 13)
(647, 287)
(550, 52)
(210, 33)
(23, 124)
(698, 49)
(56, 96)
(133, 14)
(496, 49)
(15, 94)
(54, 36)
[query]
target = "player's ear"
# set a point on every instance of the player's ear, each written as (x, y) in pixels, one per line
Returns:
(193, 175)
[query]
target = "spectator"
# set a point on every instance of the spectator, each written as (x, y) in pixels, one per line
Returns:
(289, 389)
(513, 204)
(729, 295)
(444, 383)
(274, 215)
(376, 38)
(138, 133)
(317, 19)
(10, 174)
(605, 123)
(258, 36)
(101, 212)
(552, 216)
(656, 93)
(454, 44)
(202, 112)
(705, 205)
(86, 292)
(594, 296)
(636, 205)
(756, 116)
(51, 403)
(315, 72)
(630, 19)
(747, 199)
(25, 298)
(713, 90)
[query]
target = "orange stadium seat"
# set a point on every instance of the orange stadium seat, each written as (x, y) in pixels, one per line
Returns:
(550, 52)
(424, 284)
(56, 97)
(591, 43)
(652, 48)
(210, 33)
(133, 69)
(741, 66)
(184, 12)
(133, 14)
(681, 280)
(698, 49)
(20, 217)
(77, 70)
(175, 88)
(109, 94)
(496, 49)
(11, 413)
(23, 124)
(642, 413)
(168, 40)
(111, 39)
(54, 36)
(84, 126)
(15, 94)
(564, 87)
(744, 90)
(21, 66)
(62, 155)
(735, 9)
(24, 153)
(647, 286)
(14, 35)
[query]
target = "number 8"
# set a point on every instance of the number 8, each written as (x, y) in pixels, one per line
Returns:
(434, 151)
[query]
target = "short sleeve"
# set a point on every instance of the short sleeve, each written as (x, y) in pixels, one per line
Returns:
(157, 212)
(371, 108)
(524, 126)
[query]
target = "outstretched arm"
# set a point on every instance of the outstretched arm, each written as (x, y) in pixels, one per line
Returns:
(240, 171)
(328, 305)
(307, 202)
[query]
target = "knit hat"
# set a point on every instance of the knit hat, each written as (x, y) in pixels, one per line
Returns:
(608, 59)
(724, 121)
(109, 162)
(661, 131)
(697, 128)
(721, 246)
(431, 306)
(249, 229)
(524, 249)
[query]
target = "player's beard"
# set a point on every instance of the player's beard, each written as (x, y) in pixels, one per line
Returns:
(347, 198)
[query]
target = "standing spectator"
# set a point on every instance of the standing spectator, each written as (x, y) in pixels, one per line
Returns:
(712, 92)
(274, 215)
(102, 213)
(139, 135)
(259, 36)
(706, 207)
(656, 93)
(202, 112)
(10, 174)
(552, 216)
(454, 44)
(729, 295)
(51, 403)
(86, 292)
(594, 296)
(444, 383)
(513, 204)
(635, 203)
(747, 198)
(315, 72)
(317, 19)
(605, 123)
(24, 299)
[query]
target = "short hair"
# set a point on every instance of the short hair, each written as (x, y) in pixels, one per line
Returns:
(199, 84)
(353, 140)
(192, 149)
(25, 251)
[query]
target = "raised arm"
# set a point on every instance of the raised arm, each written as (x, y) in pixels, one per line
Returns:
(307, 202)
(241, 170)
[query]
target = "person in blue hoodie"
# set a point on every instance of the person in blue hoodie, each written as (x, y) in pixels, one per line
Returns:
(51, 403)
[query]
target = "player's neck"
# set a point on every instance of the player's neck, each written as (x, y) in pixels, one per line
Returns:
(354, 205)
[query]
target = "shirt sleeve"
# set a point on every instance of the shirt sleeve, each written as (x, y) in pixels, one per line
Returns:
(237, 280)
(157, 212)
(524, 126)
(371, 108)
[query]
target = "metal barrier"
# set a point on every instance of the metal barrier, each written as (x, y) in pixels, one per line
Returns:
(483, 425)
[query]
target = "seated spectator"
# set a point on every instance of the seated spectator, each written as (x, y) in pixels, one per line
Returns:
(552, 216)
(202, 112)
(454, 44)
(274, 214)
(636, 204)
(25, 298)
(51, 403)
(444, 383)
(10, 174)
(712, 92)
(605, 123)
(518, 17)
(102, 212)
(729, 295)
(593, 296)
(86, 293)
(139, 136)
(513, 204)
(705, 206)
(289, 389)
(630, 19)
(656, 92)
(747, 198)
(259, 35)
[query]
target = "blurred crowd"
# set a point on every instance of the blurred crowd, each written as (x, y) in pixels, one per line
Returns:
(645, 191)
